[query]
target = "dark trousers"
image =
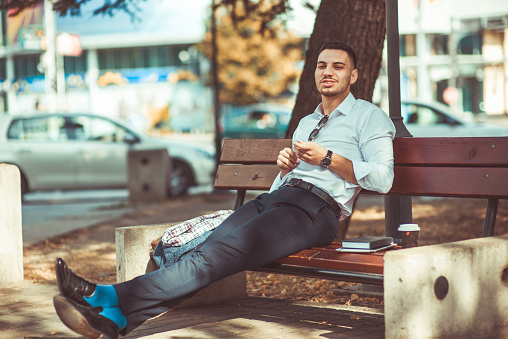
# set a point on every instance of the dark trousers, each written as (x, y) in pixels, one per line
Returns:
(270, 227)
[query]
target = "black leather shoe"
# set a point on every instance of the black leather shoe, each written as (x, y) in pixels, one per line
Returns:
(83, 320)
(72, 285)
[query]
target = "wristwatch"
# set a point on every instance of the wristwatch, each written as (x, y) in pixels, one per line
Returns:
(327, 160)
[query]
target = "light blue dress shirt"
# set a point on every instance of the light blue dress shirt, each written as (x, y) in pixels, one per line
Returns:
(358, 131)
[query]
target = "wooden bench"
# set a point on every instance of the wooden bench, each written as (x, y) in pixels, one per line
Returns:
(475, 167)
(445, 275)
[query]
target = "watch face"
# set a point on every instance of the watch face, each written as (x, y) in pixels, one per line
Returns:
(326, 162)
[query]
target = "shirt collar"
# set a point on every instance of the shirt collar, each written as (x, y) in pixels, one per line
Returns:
(344, 107)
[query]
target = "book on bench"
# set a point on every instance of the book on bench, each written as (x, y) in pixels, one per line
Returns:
(368, 242)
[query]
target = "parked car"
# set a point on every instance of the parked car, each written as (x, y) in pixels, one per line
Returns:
(255, 121)
(433, 119)
(57, 151)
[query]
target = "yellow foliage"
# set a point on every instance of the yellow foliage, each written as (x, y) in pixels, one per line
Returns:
(253, 64)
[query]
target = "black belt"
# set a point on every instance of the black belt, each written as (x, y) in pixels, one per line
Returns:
(294, 182)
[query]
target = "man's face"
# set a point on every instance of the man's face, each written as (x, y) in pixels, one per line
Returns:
(334, 73)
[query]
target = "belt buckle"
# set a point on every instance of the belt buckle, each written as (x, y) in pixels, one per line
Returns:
(290, 182)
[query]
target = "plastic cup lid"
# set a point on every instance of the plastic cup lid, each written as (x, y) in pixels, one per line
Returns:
(409, 227)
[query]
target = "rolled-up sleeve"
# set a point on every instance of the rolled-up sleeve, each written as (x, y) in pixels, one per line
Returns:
(376, 172)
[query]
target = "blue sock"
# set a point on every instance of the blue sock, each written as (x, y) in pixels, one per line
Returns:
(115, 315)
(105, 296)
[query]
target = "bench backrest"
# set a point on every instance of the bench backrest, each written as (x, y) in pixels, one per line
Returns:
(454, 167)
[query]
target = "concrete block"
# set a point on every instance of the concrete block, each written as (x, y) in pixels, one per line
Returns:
(11, 239)
(453, 290)
(133, 247)
(149, 173)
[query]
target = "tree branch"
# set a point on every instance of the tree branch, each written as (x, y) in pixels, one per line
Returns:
(264, 11)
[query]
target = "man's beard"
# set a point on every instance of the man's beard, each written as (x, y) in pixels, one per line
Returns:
(332, 93)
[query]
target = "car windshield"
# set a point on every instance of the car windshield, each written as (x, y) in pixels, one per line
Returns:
(61, 128)
(36, 129)
(424, 116)
(101, 130)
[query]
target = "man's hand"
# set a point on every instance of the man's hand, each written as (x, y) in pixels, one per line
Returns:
(310, 152)
(287, 161)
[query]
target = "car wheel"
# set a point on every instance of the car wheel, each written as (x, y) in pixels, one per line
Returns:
(181, 178)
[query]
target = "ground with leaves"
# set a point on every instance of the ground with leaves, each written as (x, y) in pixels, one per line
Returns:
(91, 251)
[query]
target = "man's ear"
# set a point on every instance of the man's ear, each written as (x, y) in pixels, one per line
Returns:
(354, 76)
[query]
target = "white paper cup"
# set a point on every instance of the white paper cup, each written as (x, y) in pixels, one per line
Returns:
(408, 227)
(409, 235)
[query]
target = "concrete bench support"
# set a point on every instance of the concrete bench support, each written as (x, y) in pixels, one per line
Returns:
(133, 246)
(149, 173)
(11, 239)
(454, 290)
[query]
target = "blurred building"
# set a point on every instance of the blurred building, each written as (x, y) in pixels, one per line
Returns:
(146, 69)
(456, 52)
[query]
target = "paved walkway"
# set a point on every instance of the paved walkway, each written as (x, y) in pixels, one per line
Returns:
(27, 312)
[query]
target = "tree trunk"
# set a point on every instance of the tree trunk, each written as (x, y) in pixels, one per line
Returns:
(360, 23)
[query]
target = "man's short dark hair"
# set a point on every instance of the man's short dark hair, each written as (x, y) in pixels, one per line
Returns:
(340, 46)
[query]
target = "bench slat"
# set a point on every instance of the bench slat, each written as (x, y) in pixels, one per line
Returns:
(489, 182)
(248, 151)
(467, 151)
(323, 273)
(329, 258)
(474, 182)
(250, 177)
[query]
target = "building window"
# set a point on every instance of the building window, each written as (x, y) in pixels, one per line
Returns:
(136, 58)
(26, 66)
(141, 57)
(407, 45)
(74, 64)
(154, 58)
(439, 44)
(471, 44)
(3, 70)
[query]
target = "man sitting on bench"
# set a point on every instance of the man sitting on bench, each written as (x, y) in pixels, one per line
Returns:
(343, 146)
